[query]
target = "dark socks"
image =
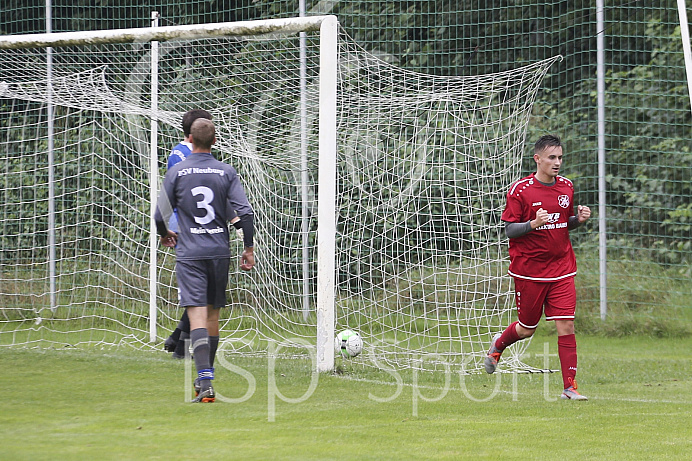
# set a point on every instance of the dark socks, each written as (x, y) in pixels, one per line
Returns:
(175, 336)
(200, 349)
(213, 346)
(183, 327)
(184, 323)
(180, 347)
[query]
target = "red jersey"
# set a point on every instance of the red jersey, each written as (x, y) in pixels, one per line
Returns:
(545, 254)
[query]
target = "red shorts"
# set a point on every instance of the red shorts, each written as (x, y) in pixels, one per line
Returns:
(559, 299)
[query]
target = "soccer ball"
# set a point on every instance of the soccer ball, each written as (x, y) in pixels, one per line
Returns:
(348, 343)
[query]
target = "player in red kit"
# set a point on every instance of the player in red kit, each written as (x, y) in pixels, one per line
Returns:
(538, 217)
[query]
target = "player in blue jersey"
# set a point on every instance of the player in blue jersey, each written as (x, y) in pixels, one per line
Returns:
(175, 343)
(207, 195)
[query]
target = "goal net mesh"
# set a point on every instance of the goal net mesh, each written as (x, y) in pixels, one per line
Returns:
(423, 166)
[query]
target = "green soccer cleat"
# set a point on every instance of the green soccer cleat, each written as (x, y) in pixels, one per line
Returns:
(493, 356)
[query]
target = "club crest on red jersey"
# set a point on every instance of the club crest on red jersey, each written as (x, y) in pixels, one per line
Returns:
(563, 201)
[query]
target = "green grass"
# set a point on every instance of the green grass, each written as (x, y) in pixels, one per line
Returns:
(644, 298)
(125, 404)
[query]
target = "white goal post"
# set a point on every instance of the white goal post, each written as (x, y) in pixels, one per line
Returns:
(377, 190)
(328, 28)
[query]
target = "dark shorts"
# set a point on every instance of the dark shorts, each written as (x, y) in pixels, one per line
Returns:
(202, 282)
(558, 299)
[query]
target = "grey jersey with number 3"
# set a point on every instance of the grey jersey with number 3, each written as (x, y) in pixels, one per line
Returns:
(206, 193)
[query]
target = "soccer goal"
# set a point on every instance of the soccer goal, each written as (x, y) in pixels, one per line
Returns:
(377, 191)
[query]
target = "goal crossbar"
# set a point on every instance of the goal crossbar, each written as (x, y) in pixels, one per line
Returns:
(162, 34)
(327, 26)
(388, 226)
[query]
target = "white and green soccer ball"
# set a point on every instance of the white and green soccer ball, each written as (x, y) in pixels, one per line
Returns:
(348, 343)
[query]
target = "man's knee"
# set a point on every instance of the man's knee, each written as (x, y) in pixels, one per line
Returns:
(564, 327)
(524, 332)
(198, 317)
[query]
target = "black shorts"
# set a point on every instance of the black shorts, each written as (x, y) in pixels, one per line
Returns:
(202, 282)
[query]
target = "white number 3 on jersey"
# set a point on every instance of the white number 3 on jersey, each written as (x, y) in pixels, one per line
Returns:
(204, 204)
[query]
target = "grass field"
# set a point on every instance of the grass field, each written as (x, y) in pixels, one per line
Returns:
(121, 404)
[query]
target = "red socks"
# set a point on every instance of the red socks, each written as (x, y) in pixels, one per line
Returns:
(567, 351)
(509, 337)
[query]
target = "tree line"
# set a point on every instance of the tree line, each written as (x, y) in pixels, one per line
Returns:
(648, 112)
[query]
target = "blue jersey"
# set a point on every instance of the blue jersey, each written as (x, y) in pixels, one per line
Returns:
(178, 154)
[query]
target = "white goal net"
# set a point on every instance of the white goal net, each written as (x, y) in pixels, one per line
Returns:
(423, 165)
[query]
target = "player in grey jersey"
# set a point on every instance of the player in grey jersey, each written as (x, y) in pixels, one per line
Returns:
(179, 338)
(207, 194)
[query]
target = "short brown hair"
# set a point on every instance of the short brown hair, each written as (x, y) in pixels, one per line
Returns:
(203, 133)
(192, 115)
(546, 141)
